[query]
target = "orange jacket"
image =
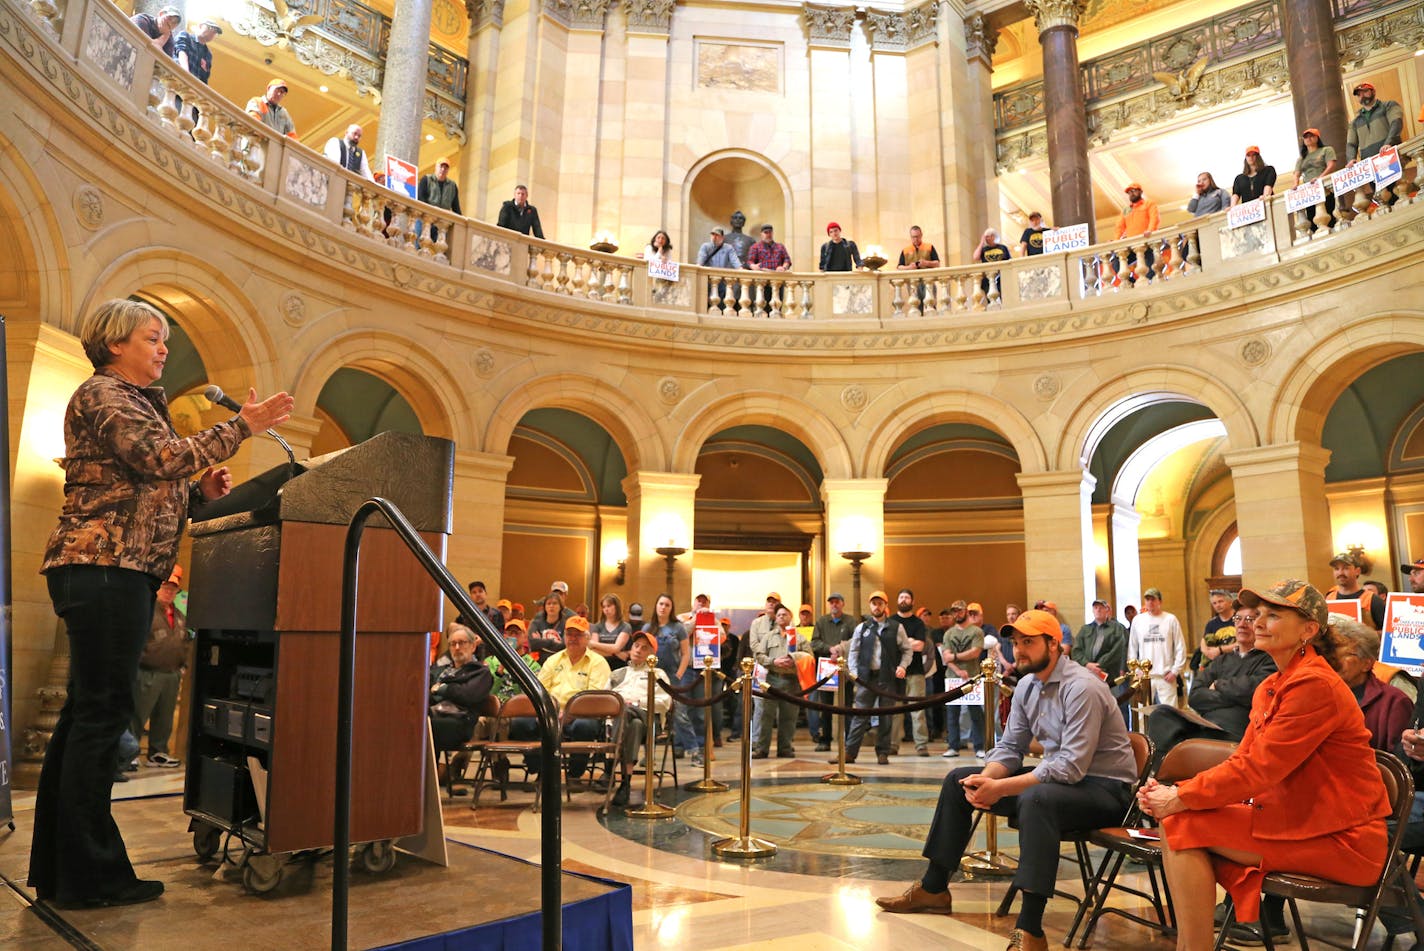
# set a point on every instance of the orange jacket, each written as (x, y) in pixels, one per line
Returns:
(1138, 219)
(1305, 761)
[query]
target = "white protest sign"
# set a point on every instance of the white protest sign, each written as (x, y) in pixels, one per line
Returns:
(825, 667)
(974, 698)
(1351, 177)
(1388, 168)
(1246, 213)
(663, 269)
(1404, 632)
(1304, 196)
(1071, 238)
(401, 175)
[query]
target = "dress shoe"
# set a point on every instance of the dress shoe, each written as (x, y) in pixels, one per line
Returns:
(916, 901)
(921, 751)
(786, 754)
(1020, 940)
(136, 892)
(761, 754)
(883, 759)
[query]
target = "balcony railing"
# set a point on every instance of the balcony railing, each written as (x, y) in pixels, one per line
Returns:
(428, 248)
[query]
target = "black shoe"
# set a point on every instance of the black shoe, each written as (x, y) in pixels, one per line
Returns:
(1248, 932)
(883, 759)
(786, 754)
(120, 777)
(760, 754)
(620, 798)
(135, 893)
(823, 747)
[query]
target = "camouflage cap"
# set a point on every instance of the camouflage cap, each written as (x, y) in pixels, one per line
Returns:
(1346, 558)
(1294, 594)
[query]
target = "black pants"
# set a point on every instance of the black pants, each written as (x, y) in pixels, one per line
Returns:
(77, 852)
(451, 733)
(1043, 813)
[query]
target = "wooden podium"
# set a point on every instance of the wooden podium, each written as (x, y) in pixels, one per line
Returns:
(265, 602)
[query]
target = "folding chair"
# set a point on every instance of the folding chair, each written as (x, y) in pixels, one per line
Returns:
(1295, 887)
(1182, 762)
(489, 708)
(602, 705)
(515, 707)
(1142, 756)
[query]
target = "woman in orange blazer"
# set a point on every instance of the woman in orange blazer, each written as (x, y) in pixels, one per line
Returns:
(1301, 793)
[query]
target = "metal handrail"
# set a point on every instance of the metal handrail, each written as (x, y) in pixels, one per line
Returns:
(551, 851)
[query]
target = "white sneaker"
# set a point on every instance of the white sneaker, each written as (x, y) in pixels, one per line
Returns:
(163, 760)
(950, 754)
(979, 754)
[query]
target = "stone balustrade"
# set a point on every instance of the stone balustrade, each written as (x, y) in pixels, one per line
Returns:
(150, 90)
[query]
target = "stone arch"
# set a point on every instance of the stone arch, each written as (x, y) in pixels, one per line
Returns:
(909, 413)
(421, 378)
(1320, 372)
(742, 407)
(1109, 401)
(625, 419)
(41, 263)
(219, 318)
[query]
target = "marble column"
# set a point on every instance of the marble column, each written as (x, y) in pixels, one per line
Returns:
(475, 549)
(1126, 560)
(403, 87)
(660, 514)
(1281, 513)
(486, 20)
(1314, 63)
(1058, 540)
(1069, 177)
(854, 512)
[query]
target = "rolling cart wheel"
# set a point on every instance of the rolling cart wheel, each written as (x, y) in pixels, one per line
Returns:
(261, 874)
(378, 857)
(206, 840)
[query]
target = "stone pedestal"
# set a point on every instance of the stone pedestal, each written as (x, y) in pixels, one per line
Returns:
(1281, 513)
(1058, 540)
(660, 514)
(855, 521)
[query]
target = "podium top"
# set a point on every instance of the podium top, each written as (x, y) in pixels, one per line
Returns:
(416, 473)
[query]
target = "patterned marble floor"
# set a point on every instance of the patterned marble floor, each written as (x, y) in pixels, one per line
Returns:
(812, 895)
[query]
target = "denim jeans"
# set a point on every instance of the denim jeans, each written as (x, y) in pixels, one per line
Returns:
(77, 852)
(976, 727)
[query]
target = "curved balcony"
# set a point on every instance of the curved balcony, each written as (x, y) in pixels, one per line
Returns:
(430, 252)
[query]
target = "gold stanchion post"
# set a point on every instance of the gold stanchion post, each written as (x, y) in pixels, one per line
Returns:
(651, 808)
(840, 777)
(744, 846)
(989, 863)
(706, 783)
(1142, 692)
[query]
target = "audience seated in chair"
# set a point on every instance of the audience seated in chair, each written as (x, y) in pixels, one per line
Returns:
(631, 683)
(457, 689)
(570, 671)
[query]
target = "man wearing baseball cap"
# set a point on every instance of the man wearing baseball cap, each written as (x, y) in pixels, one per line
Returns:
(1156, 636)
(1101, 644)
(880, 654)
(1346, 569)
(828, 639)
(1140, 218)
(631, 683)
(439, 190)
(1083, 781)
(1376, 124)
(268, 110)
(572, 670)
(1415, 571)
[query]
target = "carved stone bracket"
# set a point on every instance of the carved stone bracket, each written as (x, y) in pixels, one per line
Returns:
(310, 49)
(450, 116)
(578, 14)
(980, 39)
(829, 26)
(484, 13)
(1048, 14)
(1400, 28)
(649, 16)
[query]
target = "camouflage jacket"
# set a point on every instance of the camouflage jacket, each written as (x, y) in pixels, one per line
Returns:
(126, 477)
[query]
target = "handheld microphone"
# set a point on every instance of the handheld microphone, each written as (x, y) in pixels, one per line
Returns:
(217, 397)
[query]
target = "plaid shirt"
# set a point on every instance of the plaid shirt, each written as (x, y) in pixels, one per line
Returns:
(768, 257)
(126, 472)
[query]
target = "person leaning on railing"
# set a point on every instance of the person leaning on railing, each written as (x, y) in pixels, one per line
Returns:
(268, 110)
(1209, 198)
(1257, 179)
(1316, 161)
(128, 491)
(1302, 793)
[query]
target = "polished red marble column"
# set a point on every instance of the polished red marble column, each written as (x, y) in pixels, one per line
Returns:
(1069, 177)
(1314, 63)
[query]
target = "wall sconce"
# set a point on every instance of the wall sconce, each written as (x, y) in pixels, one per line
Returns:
(605, 242)
(670, 552)
(621, 576)
(855, 558)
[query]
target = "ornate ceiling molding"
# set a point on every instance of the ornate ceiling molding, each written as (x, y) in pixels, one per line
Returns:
(828, 26)
(1048, 14)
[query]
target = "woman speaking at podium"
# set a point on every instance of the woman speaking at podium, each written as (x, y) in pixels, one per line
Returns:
(127, 495)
